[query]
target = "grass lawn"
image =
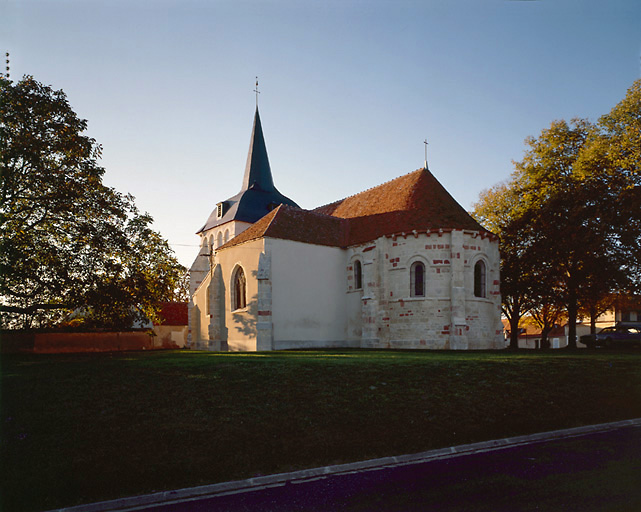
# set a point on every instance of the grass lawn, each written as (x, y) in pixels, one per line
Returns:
(84, 428)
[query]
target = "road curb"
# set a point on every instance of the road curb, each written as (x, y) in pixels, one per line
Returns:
(262, 482)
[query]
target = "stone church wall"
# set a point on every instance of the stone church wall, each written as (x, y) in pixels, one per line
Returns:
(239, 328)
(448, 316)
(305, 296)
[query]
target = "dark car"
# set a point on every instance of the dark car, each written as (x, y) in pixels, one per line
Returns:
(619, 335)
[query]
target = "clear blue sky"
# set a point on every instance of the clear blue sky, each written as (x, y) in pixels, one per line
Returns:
(349, 88)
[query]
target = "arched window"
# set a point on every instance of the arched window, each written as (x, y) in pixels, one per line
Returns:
(417, 279)
(220, 239)
(358, 275)
(226, 235)
(479, 279)
(239, 299)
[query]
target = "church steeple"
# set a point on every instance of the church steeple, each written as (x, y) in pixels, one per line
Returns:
(258, 195)
(258, 174)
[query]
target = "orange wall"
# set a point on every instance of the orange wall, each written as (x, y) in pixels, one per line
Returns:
(69, 342)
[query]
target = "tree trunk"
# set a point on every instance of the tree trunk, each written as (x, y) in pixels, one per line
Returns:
(572, 314)
(545, 343)
(514, 327)
(593, 317)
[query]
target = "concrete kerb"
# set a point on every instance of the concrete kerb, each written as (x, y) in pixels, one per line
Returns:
(297, 477)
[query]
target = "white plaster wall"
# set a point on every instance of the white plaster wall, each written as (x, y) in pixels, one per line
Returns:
(308, 294)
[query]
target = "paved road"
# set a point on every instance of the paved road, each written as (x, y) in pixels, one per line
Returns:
(593, 472)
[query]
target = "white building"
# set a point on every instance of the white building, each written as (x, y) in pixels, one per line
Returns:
(401, 265)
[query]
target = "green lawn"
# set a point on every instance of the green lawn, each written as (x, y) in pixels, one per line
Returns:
(83, 428)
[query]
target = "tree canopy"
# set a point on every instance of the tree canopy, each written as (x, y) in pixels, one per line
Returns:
(68, 242)
(570, 218)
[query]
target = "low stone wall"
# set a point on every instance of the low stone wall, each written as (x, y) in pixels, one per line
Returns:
(75, 342)
(170, 336)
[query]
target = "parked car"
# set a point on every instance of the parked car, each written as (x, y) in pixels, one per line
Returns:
(622, 334)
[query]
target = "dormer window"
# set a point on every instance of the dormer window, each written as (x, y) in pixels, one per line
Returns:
(221, 209)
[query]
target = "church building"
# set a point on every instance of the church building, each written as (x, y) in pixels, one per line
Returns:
(401, 265)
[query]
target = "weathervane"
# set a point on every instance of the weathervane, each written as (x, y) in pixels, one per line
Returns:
(257, 92)
(425, 142)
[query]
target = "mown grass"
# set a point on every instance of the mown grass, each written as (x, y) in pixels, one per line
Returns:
(84, 428)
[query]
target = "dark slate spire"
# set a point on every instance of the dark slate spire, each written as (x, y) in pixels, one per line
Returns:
(258, 195)
(258, 174)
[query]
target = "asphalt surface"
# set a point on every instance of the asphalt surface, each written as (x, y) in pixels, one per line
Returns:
(575, 470)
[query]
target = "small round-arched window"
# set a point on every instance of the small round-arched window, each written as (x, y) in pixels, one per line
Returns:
(358, 275)
(479, 279)
(417, 279)
(219, 239)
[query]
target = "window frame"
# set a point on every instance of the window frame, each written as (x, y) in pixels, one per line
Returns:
(414, 280)
(358, 275)
(480, 279)
(238, 289)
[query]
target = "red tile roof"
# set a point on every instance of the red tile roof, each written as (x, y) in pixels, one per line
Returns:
(416, 201)
(289, 223)
(173, 313)
(418, 195)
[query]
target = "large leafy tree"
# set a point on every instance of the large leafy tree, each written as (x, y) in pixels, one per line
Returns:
(571, 214)
(571, 239)
(67, 241)
(613, 159)
(496, 210)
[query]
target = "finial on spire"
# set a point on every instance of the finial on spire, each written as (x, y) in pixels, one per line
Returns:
(257, 92)
(425, 142)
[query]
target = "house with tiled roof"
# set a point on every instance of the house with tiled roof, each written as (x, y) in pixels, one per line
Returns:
(401, 265)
